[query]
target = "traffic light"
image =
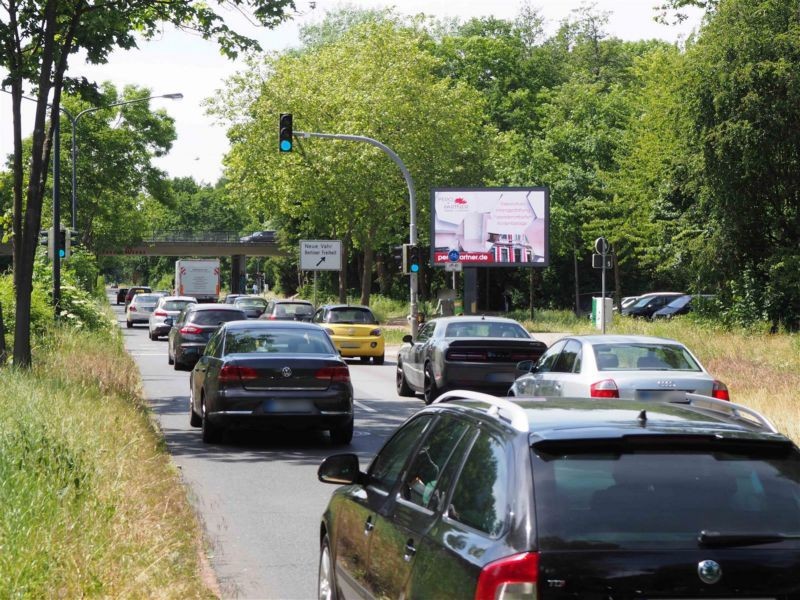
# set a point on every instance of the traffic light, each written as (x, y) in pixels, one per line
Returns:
(44, 237)
(63, 243)
(411, 259)
(285, 142)
(74, 239)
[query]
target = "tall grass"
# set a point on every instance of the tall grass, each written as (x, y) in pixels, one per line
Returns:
(91, 505)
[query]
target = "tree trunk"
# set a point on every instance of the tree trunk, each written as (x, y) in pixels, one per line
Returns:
(577, 283)
(343, 271)
(617, 284)
(384, 281)
(366, 274)
(530, 293)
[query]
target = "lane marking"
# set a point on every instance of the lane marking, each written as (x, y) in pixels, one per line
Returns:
(363, 406)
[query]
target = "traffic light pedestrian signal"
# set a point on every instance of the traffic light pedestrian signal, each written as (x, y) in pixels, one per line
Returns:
(411, 259)
(63, 243)
(285, 133)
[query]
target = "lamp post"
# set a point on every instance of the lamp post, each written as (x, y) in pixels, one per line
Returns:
(73, 120)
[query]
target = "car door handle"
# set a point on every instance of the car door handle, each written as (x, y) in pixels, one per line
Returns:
(368, 526)
(410, 551)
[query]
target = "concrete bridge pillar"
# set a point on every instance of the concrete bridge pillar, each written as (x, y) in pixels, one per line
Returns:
(238, 274)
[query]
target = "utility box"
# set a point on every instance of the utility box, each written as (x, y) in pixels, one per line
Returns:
(602, 310)
(198, 277)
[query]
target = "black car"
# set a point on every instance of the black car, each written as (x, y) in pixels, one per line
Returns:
(121, 293)
(477, 353)
(131, 292)
(647, 304)
(259, 237)
(681, 306)
(194, 326)
(271, 374)
(479, 497)
(289, 310)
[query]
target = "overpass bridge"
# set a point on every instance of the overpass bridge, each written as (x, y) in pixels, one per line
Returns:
(202, 244)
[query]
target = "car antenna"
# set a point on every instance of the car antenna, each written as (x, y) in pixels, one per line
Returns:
(642, 418)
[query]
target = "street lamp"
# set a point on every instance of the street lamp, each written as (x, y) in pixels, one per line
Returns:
(74, 150)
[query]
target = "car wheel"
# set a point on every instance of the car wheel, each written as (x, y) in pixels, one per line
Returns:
(364, 359)
(403, 389)
(129, 324)
(195, 420)
(326, 583)
(378, 360)
(153, 336)
(342, 435)
(170, 360)
(430, 392)
(211, 433)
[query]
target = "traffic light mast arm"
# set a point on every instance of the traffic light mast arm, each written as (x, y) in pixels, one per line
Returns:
(412, 200)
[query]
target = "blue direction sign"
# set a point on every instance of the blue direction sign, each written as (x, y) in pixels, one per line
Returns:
(453, 255)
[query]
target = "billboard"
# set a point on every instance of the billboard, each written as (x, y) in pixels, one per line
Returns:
(491, 227)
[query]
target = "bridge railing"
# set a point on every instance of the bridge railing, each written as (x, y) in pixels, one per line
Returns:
(189, 237)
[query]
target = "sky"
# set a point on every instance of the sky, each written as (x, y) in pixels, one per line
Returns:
(181, 62)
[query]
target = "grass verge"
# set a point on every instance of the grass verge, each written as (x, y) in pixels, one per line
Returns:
(91, 503)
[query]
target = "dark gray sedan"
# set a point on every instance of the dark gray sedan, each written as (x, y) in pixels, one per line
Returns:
(190, 332)
(617, 366)
(474, 353)
(268, 374)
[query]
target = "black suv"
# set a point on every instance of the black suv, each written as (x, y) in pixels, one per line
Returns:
(479, 497)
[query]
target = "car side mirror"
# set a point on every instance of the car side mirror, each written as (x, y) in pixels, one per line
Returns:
(340, 469)
(526, 366)
(407, 339)
(169, 322)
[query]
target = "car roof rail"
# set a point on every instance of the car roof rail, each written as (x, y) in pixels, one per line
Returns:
(508, 411)
(729, 409)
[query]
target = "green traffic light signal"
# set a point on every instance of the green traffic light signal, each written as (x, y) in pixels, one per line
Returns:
(285, 142)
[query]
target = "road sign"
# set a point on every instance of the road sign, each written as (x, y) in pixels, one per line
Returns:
(454, 266)
(320, 255)
(601, 245)
(597, 261)
(453, 255)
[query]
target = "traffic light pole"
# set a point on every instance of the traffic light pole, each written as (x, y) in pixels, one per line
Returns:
(56, 217)
(412, 199)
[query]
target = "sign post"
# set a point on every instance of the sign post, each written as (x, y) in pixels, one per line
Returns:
(601, 247)
(320, 255)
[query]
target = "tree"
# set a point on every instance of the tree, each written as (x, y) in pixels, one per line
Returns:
(37, 38)
(376, 81)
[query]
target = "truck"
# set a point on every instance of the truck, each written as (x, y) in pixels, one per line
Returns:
(197, 277)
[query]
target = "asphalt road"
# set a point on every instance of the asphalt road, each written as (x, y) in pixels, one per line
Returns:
(258, 494)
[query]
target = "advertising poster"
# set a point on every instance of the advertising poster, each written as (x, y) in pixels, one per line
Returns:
(491, 227)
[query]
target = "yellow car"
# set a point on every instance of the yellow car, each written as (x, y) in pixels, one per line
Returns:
(354, 331)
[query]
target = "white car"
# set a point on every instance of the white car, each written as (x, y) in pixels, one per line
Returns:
(168, 306)
(140, 308)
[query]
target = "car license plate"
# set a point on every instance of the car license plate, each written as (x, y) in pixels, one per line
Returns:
(660, 395)
(350, 345)
(501, 377)
(281, 405)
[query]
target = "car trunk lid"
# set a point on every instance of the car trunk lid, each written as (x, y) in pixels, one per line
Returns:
(494, 350)
(285, 372)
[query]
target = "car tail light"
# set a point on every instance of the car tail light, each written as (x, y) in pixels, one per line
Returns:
(511, 577)
(375, 332)
(131, 308)
(273, 317)
(335, 374)
(161, 313)
(720, 391)
(607, 388)
(233, 373)
(467, 355)
(191, 329)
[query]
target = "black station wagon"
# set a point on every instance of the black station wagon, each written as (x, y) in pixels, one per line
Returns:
(480, 497)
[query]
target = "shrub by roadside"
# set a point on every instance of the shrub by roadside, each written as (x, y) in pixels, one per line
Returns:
(91, 503)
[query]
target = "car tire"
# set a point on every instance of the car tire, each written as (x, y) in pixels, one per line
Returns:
(195, 420)
(153, 336)
(211, 433)
(378, 360)
(403, 389)
(363, 359)
(342, 435)
(326, 579)
(430, 391)
(170, 360)
(129, 324)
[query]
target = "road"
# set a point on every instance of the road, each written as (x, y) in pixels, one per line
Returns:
(258, 494)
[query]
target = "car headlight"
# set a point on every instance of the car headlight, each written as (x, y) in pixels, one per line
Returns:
(375, 332)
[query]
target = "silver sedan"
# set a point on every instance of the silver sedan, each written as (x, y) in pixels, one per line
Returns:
(617, 366)
(168, 306)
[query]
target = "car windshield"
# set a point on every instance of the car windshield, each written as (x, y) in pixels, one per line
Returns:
(351, 315)
(643, 301)
(215, 317)
(486, 329)
(250, 302)
(680, 302)
(176, 304)
(664, 496)
(293, 308)
(287, 341)
(644, 357)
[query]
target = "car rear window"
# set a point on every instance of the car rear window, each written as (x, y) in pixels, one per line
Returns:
(644, 357)
(147, 299)
(291, 341)
(351, 315)
(665, 497)
(486, 329)
(215, 317)
(176, 304)
(250, 302)
(293, 308)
